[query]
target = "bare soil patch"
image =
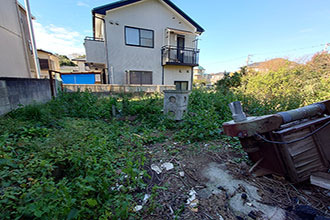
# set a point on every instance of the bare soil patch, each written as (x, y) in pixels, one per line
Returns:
(190, 163)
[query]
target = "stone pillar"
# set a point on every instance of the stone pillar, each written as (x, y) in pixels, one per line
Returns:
(176, 103)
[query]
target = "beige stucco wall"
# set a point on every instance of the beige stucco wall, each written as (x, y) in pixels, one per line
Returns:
(53, 62)
(147, 14)
(13, 58)
(177, 73)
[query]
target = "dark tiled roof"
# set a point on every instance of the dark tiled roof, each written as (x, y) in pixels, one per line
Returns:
(103, 9)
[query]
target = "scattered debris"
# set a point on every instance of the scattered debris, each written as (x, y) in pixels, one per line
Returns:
(145, 199)
(220, 217)
(138, 208)
(192, 202)
(244, 196)
(156, 168)
(210, 185)
(192, 197)
(321, 180)
(168, 166)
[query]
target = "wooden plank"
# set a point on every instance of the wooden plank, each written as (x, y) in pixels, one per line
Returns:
(320, 146)
(307, 171)
(292, 172)
(321, 180)
(308, 146)
(306, 162)
(305, 157)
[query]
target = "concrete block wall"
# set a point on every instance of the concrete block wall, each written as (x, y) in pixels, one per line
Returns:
(113, 88)
(22, 91)
(4, 101)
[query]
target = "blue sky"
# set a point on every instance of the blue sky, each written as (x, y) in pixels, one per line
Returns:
(266, 29)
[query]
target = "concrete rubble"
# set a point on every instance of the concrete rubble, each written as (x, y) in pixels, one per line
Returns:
(243, 197)
(165, 166)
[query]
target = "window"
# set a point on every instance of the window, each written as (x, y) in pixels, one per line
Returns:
(181, 85)
(140, 77)
(139, 37)
(44, 65)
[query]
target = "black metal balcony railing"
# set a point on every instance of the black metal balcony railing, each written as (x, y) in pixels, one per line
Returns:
(179, 56)
(94, 38)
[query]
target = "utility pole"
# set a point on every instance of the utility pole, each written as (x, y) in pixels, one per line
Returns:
(248, 59)
(326, 47)
(33, 42)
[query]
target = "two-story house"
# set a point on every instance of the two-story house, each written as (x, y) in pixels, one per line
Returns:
(144, 42)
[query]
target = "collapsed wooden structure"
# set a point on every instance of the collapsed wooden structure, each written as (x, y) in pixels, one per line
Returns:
(294, 144)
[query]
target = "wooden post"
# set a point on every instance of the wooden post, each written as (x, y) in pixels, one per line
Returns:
(51, 83)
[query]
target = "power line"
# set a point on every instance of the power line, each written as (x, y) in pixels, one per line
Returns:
(268, 53)
(225, 61)
(285, 51)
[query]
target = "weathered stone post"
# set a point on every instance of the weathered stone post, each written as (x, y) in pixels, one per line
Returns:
(176, 103)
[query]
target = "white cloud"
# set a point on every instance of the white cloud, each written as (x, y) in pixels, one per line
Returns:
(82, 4)
(58, 39)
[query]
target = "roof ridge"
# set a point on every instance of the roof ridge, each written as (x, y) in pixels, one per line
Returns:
(120, 3)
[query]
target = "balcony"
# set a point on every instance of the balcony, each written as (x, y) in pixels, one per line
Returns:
(179, 56)
(95, 50)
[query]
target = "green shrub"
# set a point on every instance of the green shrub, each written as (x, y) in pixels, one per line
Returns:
(63, 173)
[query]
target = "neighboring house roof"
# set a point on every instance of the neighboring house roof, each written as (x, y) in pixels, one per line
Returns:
(103, 9)
(79, 59)
(200, 68)
(254, 64)
(45, 51)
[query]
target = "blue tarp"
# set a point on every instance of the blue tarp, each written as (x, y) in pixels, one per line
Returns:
(78, 79)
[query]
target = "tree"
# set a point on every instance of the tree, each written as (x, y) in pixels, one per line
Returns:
(65, 61)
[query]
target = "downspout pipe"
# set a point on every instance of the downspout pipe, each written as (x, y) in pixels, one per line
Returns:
(93, 24)
(33, 42)
(110, 78)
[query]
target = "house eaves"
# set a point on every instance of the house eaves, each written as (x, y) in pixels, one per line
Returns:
(103, 9)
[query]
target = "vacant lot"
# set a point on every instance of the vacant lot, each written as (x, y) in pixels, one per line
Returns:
(73, 159)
